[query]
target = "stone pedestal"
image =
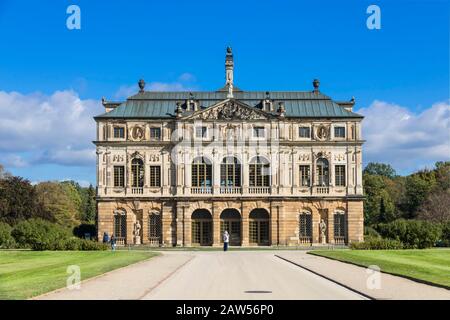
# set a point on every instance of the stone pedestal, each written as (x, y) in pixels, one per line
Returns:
(137, 240)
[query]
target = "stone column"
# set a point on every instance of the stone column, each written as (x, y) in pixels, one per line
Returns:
(245, 211)
(315, 225)
(276, 224)
(144, 226)
(167, 219)
(216, 211)
(180, 237)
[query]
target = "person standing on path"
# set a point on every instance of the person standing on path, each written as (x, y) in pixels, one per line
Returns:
(226, 239)
(113, 243)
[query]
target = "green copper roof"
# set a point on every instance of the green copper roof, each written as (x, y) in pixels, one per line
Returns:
(298, 104)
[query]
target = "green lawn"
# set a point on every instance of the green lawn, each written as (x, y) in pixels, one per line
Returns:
(24, 274)
(431, 265)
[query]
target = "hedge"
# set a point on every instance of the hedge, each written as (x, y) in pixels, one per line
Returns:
(374, 243)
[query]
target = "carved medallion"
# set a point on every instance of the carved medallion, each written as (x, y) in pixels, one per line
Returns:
(137, 133)
(322, 132)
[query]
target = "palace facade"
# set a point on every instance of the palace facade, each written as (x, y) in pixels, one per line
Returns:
(270, 167)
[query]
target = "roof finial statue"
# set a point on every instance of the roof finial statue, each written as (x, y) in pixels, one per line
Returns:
(316, 84)
(141, 84)
(229, 66)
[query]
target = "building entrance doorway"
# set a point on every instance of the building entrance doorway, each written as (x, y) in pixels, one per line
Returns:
(202, 228)
(259, 224)
(230, 220)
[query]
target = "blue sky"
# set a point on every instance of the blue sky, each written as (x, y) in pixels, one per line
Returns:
(401, 70)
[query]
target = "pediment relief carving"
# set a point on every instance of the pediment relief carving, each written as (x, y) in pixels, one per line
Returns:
(230, 110)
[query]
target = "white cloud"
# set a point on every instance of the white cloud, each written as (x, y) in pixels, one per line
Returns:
(50, 129)
(185, 82)
(407, 140)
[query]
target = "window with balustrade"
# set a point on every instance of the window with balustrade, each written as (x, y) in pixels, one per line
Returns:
(259, 172)
(322, 169)
(155, 176)
(305, 175)
(137, 173)
(119, 176)
(230, 172)
(339, 174)
(201, 172)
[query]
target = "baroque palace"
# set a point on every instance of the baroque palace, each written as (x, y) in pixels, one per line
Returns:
(270, 167)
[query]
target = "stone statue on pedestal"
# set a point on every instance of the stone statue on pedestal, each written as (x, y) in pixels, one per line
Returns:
(137, 232)
(323, 228)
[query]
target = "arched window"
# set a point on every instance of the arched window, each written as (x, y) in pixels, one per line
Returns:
(137, 173)
(230, 172)
(340, 227)
(322, 172)
(154, 228)
(259, 171)
(120, 226)
(230, 220)
(305, 227)
(201, 172)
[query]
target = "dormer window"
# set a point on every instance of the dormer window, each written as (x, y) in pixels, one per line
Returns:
(339, 132)
(119, 132)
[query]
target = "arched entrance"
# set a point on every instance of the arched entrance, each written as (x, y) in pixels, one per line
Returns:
(259, 223)
(230, 220)
(202, 228)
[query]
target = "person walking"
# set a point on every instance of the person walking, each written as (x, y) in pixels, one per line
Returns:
(105, 237)
(113, 243)
(226, 240)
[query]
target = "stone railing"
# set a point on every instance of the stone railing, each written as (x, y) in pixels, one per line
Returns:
(304, 240)
(339, 240)
(201, 190)
(137, 190)
(230, 190)
(259, 190)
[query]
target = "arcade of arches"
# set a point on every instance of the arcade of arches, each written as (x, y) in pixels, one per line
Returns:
(249, 223)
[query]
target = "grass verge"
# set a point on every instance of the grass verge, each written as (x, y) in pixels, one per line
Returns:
(25, 274)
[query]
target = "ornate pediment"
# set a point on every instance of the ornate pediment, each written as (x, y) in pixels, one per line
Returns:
(230, 110)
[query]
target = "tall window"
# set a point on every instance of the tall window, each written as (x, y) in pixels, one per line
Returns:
(339, 173)
(154, 228)
(155, 133)
(259, 132)
(119, 132)
(322, 172)
(201, 132)
(119, 177)
(230, 172)
(305, 225)
(120, 224)
(305, 177)
(304, 132)
(259, 170)
(339, 224)
(201, 172)
(137, 172)
(155, 176)
(339, 132)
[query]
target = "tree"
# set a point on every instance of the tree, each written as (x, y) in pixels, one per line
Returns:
(61, 200)
(380, 169)
(378, 205)
(90, 205)
(418, 188)
(436, 208)
(443, 175)
(19, 201)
